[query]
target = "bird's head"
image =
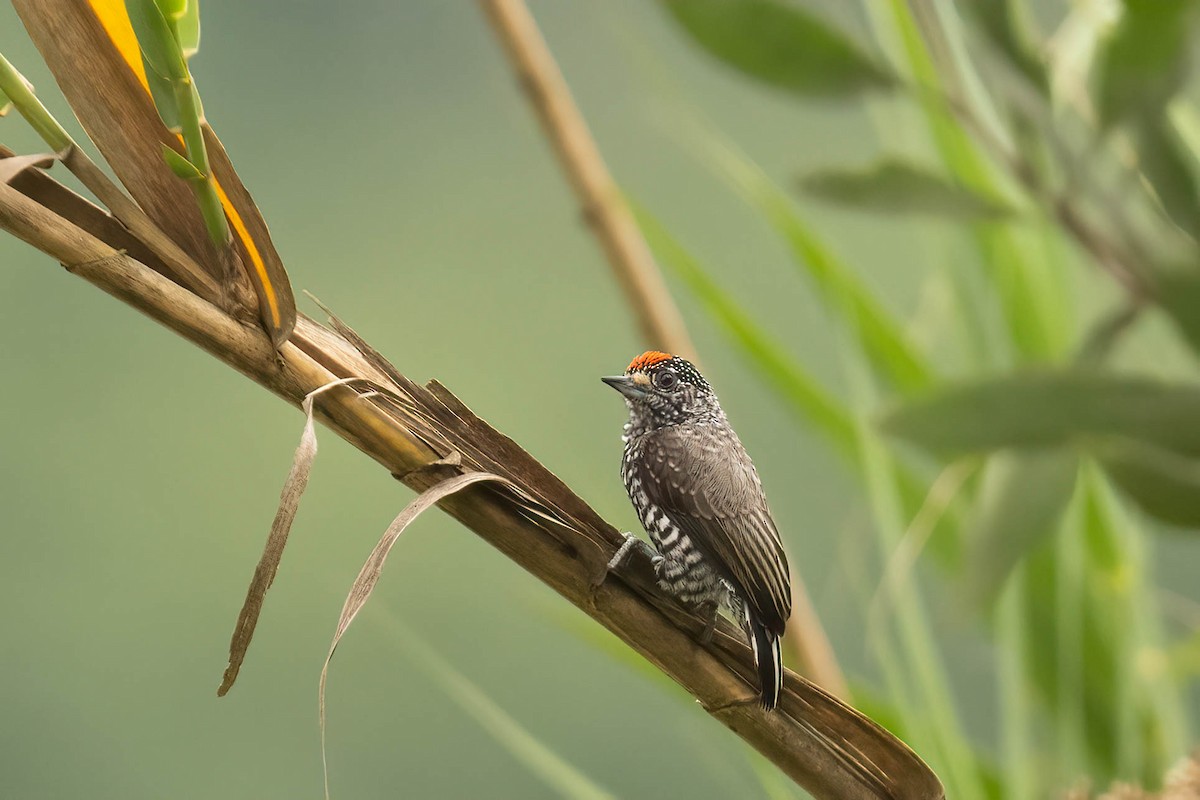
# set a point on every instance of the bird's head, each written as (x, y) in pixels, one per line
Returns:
(661, 389)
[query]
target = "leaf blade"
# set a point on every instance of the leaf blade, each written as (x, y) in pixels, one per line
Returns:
(368, 577)
(1169, 168)
(1163, 484)
(1024, 494)
(181, 166)
(893, 185)
(160, 49)
(1144, 63)
(187, 28)
(780, 45)
(13, 166)
(1048, 408)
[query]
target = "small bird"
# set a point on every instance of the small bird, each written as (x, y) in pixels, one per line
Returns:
(699, 498)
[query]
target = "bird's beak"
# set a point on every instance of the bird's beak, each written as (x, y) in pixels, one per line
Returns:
(626, 385)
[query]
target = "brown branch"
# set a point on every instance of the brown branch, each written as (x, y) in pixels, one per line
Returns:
(660, 322)
(631, 260)
(419, 433)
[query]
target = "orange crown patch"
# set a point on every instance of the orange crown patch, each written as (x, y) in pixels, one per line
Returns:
(647, 360)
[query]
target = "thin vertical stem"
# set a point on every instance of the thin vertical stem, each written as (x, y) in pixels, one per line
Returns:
(657, 316)
(1016, 713)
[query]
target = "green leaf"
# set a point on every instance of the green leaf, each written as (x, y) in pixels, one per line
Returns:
(187, 28)
(999, 20)
(163, 93)
(172, 9)
(1144, 64)
(18, 92)
(1168, 166)
(780, 45)
(894, 186)
(180, 165)
(1165, 485)
(1177, 290)
(889, 348)
(1042, 409)
(1023, 496)
(803, 393)
(160, 49)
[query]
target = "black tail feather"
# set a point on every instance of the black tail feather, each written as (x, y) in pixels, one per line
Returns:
(769, 659)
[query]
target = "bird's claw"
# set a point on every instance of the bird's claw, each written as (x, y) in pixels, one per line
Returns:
(630, 544)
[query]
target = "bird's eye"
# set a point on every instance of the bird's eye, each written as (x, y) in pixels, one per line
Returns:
(665, 380)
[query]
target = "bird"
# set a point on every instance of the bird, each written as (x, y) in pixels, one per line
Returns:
(699, 498)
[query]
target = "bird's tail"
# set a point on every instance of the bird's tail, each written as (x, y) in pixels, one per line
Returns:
(769, 660)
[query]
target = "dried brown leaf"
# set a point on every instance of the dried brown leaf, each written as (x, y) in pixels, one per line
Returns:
(134, 233)
(169, 258)
(264, 267)
(268, 564)
(373, 356)
(368, 576)
(14, 166)
(91, 49)
(107, 95)
(447, 422)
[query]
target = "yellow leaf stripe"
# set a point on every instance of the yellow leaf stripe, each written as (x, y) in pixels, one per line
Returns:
(115, 19)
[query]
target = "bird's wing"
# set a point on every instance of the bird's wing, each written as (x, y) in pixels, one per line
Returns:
(703, 479)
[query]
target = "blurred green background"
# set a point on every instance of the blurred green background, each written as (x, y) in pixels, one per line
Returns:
(408, 186)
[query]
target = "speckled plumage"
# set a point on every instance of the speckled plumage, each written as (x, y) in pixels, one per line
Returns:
(699, 498)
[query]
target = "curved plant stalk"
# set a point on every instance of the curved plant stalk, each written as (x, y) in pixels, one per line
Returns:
(822, 744)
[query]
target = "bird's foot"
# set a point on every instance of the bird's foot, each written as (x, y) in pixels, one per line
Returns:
(630, 544)
(624, 550)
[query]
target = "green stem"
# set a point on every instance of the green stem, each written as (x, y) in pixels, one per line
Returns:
(1070, 711)
(918, 653)
(1016, 712)
(197, 153)
(46, 126)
